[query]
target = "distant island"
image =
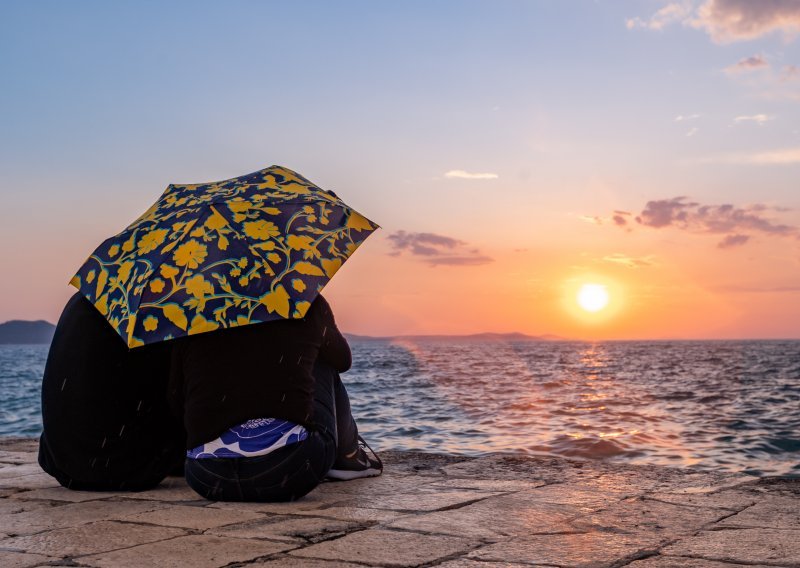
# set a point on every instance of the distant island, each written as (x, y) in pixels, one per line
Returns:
(22, 332)
(476, 337)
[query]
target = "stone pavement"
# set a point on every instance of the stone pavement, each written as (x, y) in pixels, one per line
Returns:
(426, 510)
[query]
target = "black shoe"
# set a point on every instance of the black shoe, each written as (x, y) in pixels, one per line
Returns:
(360, 464)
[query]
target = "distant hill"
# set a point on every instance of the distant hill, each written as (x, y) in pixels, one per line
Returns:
(476, 337)
(18, 331)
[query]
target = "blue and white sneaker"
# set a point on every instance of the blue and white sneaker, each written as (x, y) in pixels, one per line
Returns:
(360, 464)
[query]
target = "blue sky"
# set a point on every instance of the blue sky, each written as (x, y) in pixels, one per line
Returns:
(577, 108)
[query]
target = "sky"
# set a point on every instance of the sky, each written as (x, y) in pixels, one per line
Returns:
(511, 151)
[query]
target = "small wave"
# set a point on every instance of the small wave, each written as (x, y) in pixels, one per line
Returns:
(592, 448)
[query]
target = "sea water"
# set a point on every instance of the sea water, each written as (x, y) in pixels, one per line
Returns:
(714, 405)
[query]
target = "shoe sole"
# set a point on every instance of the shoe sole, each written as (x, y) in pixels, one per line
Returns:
(348, 474)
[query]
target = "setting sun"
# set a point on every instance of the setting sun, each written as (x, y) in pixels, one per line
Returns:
(592, 297)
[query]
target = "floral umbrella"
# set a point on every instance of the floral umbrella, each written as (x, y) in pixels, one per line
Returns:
(216, 255)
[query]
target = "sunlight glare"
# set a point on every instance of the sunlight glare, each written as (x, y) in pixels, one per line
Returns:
(593, 297)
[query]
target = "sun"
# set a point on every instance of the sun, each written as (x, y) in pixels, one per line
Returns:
(593, 297)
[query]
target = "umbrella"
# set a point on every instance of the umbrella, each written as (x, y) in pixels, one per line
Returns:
(217, 255)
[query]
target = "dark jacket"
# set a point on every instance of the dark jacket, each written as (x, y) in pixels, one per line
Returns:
(107, 424)
(224, 378)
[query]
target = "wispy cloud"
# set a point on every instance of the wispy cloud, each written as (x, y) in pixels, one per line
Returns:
(669, 14)
(727, 21)
(593, 219)
(748, 65)
(436, 250)
(474, 260)
(682, 117)
(729, 220)
(620, 218)
(758, 289)
(777, 157)
(692, 131)
(629, 261)
(759, 119)
(461, 174)
(731, 241)
(790, 73)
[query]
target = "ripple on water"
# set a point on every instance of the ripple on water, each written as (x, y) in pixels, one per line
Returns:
(726, 405)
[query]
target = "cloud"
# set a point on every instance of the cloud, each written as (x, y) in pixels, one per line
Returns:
(731, 241)
(461, 174)
(436, 250)
(740, 20)
(734, 222)
(692, 132)
(779, 157)
(629, 261)
(757, 290)
(681, 117)
(620, 218)
(784, 156)
(593, 219)
(669, 14)
(759, 119)
(727, 21)
(790, 73)
(748, 64)
(459, 260)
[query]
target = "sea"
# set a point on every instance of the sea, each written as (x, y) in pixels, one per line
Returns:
(711, 405)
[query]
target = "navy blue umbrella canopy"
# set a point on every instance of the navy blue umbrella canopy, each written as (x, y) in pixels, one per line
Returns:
(217, 255)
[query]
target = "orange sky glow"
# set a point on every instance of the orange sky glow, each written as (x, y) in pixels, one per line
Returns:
(511, 152)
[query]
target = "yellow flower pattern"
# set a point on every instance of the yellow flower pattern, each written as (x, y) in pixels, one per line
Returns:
(218, 255)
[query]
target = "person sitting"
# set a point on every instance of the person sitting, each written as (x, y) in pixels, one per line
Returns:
(107, 425)
(266, 414)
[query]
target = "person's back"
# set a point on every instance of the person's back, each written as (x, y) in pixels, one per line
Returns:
(107, 425)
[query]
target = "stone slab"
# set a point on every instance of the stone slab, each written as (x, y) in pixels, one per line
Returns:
(733, 500)
(685, 562)
(494, 519)
(48, 518)
(314, 501)
(496, 485)
(66, 495)
(388, 548)
(645, 516)
(289, 529)
(586, 550)
(284, 561)
(386, 484)
(32, 481)
(745, 546)
(356, 514)
(421, 500)
(524, 468)
(197, 551)
(778, 512)
(172, 489)
(89, 538)
(9, 559)
(467, 563)
(7, 457)
(200, 518)
(419, 464)
(12, 471)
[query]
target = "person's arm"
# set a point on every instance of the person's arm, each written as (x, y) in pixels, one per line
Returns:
(334, 349)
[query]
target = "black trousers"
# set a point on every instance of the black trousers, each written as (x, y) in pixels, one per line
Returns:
(292, 471)
(107, 424)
